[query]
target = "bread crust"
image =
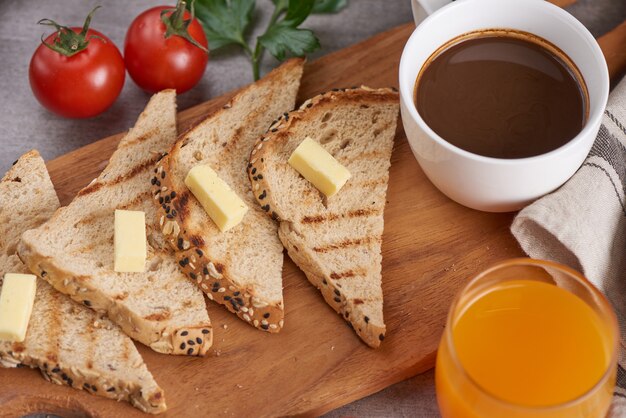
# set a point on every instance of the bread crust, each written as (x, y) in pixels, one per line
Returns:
(276, 134)
(147, 398)
(165, 340)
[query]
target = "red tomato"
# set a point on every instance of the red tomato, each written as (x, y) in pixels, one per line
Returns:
(82, 85)
(155, 62)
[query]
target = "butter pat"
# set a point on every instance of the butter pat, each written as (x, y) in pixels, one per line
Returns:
(16, 305)
(319, 167)
(219, 201)
(130, 241)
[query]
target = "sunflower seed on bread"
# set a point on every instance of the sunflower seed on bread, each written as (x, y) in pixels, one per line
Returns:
(69, 343)
(75, 249)
(240, 268)
(336, 241)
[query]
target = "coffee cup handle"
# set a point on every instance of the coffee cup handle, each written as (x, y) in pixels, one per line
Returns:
(423, 8)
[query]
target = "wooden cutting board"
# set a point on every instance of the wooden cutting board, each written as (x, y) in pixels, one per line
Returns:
(431, 247)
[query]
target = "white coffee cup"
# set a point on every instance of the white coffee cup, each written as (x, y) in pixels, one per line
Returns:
(493, 184)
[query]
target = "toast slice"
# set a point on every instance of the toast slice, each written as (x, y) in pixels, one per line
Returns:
(336, 241)
(74, 251)
(69, 343)
(242, 267)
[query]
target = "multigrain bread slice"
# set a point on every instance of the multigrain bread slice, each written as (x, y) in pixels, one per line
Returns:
(74, 250)
(336, 241)
(69, 343)
(242, 267)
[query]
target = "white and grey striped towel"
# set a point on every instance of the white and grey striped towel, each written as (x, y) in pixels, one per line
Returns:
(583, 224)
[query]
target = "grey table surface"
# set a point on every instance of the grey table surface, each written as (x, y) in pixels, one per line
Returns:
(26, 125)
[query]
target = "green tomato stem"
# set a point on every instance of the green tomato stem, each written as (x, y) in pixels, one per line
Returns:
(67, 42)
(175, 24)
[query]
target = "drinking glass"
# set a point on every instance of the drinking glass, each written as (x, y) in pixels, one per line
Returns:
(460, 394)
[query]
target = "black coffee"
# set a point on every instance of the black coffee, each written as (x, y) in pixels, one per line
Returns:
(501, 96)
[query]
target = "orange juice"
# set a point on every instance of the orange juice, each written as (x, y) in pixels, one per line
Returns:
(525, 348)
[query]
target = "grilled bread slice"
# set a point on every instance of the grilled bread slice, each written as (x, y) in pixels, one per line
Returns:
(336, 241)
(74, 251)
(242, 267)
(69, 343)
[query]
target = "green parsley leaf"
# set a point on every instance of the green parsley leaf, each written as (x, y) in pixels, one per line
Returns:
(329, 6)
(225, 22)
(298, 11)
(281, 40)
(283, 37)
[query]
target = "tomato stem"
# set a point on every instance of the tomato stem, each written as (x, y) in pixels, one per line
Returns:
(175, 23)
(67, 42)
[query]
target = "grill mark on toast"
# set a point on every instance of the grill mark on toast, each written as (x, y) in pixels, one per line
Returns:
(233, 140)
(357, 213)
(372, 183)
(346, 274)
(197, 241)
(239, 132)
(91, 247)
(370, 155)
(134, 171)
(247, 123)
(138, 140)
(182, 205)
(162, 315)
(54, 331)
(362, 301)
(134, 202)
(346, 243)
(92, 336)
(341, 275)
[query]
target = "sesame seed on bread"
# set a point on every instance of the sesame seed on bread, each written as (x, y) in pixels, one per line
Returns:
(69, 343)
(74, 251)
(336, 241)
(242, 267)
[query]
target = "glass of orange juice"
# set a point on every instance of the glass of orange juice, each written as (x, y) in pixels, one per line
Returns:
(528, 338)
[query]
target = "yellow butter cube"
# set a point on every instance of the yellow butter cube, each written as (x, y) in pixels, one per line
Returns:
(319, 167)
(16, 305)
(130, 241)
(219, 201)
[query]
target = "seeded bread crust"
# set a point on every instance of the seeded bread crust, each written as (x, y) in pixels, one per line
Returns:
(299, 248)
(158, 307)
(190, 340)
(146, 396)
(67, 342)
(186, 227)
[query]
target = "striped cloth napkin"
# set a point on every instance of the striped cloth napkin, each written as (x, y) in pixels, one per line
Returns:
(583, 224)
